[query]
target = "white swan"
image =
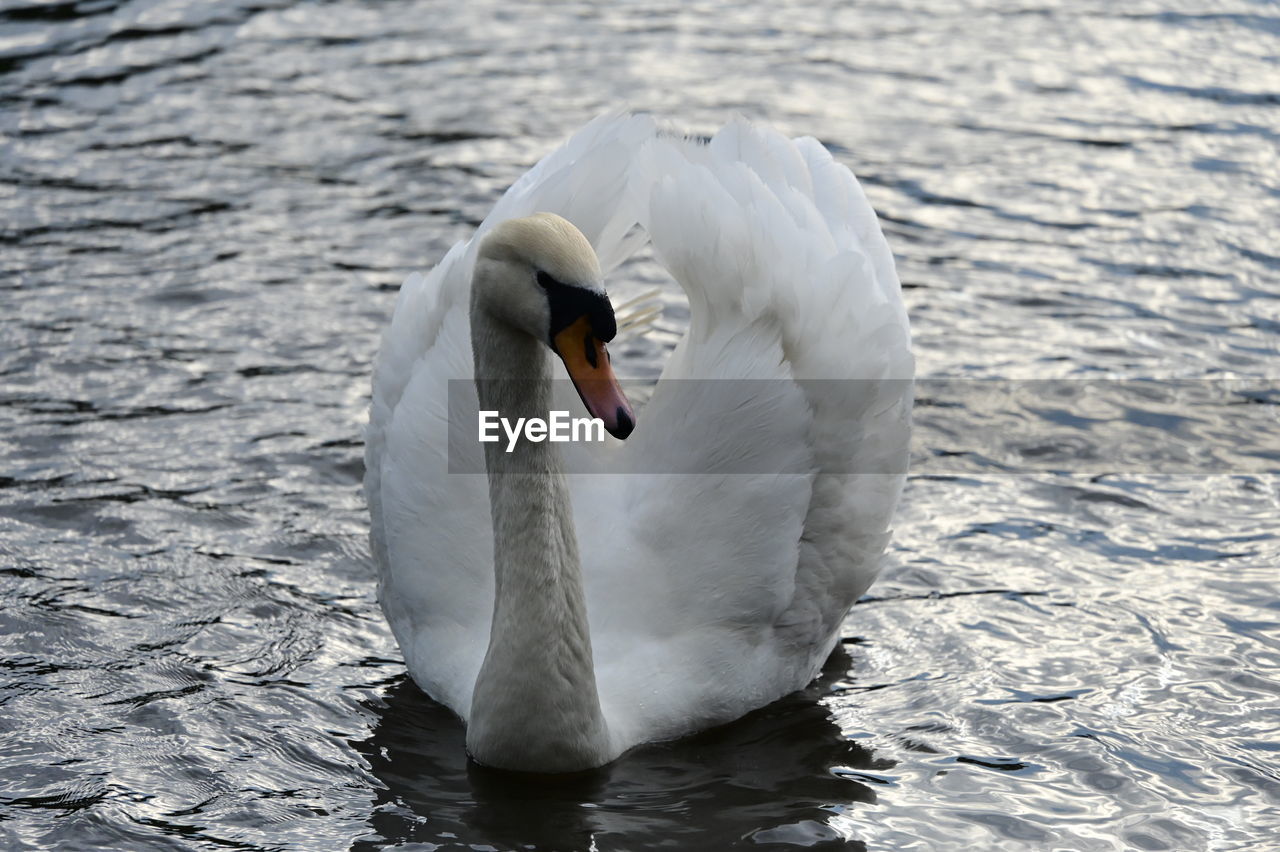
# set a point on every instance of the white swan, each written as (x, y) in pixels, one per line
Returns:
(709, 573)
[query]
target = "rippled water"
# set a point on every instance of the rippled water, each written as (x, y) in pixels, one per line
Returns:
(208, 207)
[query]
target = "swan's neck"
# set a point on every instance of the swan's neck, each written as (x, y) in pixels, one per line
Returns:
(535, 705)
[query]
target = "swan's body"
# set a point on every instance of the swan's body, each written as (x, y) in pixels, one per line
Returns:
(712, 576)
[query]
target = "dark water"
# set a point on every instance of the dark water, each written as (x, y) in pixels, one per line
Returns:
(207, 208)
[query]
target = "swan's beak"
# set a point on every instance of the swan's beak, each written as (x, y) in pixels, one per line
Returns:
(587, 361)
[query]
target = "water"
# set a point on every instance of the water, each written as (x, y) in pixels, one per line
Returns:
(207, 208)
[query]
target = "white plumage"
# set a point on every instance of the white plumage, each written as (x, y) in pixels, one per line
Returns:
(710, 591)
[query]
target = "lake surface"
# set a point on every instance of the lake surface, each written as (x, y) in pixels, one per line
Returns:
(206, 208)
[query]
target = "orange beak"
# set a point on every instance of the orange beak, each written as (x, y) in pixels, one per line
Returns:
(587, 361)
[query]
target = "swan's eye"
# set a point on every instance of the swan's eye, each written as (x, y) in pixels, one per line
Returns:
(569, 303)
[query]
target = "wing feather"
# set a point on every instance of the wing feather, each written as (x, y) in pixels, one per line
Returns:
(765, 232)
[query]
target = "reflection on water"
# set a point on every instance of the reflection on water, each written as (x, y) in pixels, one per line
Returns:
(206, 208)
(705, 792)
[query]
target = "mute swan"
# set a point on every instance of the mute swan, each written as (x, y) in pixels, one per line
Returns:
(567, 618)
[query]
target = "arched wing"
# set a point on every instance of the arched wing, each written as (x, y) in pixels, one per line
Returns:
(798, 341)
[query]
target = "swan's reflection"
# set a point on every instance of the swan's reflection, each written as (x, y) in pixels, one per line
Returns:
(765, 779)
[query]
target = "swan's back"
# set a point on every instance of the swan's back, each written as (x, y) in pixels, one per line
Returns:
(764, 470)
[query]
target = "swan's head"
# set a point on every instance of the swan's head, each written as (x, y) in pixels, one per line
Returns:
(540, 275)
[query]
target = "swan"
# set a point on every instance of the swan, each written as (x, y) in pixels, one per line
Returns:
(571, 600)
